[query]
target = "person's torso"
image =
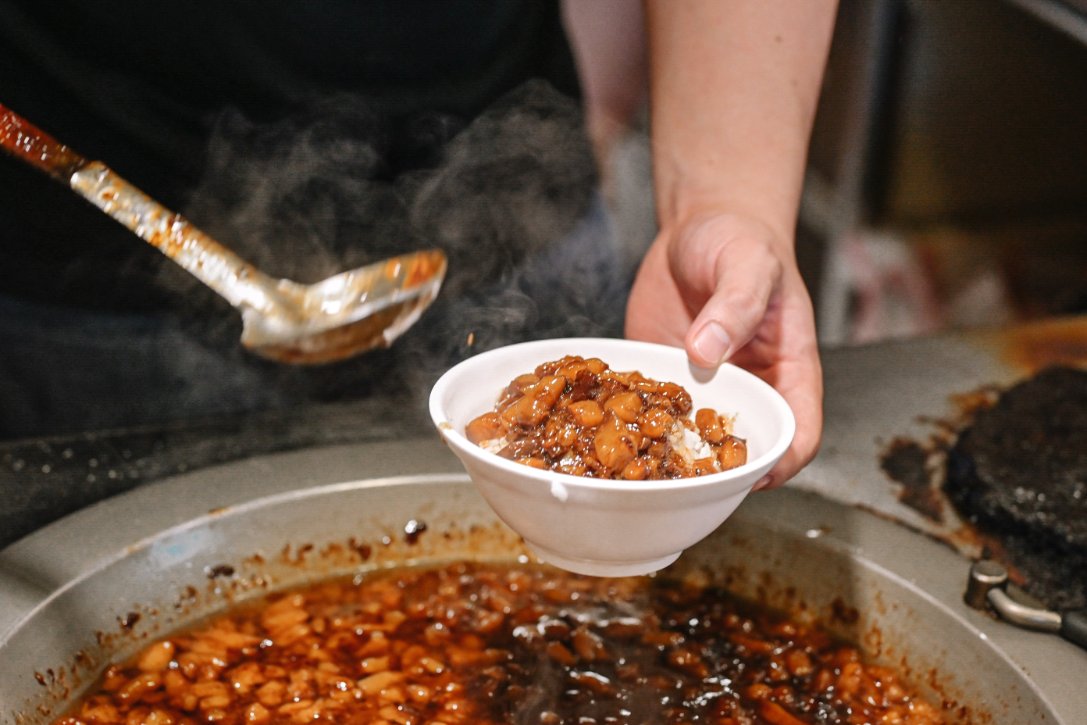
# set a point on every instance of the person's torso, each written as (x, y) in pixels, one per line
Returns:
(141, 85)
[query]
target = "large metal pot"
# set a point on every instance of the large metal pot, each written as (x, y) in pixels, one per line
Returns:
(96, 585)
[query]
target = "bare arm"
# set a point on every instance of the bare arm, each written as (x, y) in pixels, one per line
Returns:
(733, 89)
(607, 38)
(734, 85)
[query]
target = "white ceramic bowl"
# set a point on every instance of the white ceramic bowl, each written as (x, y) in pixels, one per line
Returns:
(605, 527)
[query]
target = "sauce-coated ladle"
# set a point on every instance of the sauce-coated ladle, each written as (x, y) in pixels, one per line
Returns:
(344, 315)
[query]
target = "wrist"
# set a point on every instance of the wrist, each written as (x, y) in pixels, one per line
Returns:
(724, 220)
(692, 190)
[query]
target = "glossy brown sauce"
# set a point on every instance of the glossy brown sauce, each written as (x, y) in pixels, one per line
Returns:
(488, 643)
(578, 416)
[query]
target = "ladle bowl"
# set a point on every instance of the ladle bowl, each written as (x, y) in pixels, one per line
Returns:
(344, 315)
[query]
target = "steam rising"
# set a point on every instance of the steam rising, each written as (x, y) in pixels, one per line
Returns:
(509, 198)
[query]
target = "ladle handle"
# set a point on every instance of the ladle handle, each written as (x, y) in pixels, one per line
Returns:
(213, 264)
(239, 282)
(25, 141)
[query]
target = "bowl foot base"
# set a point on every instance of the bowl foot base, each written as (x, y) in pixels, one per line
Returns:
(597, 567)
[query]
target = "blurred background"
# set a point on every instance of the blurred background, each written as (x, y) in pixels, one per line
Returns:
(947, 185)
(947, 179)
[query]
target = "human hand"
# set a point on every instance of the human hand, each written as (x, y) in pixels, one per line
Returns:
(726, 287)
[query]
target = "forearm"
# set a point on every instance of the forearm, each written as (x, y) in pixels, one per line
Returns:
(734, 85)
(608, 40)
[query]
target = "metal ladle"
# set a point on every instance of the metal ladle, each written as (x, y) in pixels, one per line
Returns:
(344, 315)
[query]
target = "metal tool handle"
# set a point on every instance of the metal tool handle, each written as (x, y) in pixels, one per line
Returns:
(213, 264)
(28, 143)
(1074, 627)
(236, 280)
(985, 588)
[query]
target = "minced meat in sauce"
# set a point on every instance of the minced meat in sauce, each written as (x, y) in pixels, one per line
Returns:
(501, 643)
(578, 416)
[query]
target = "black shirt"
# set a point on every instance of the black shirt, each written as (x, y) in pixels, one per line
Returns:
(142, 85)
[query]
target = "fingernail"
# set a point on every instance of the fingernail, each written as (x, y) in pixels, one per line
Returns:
(763, 482)
(712, 342)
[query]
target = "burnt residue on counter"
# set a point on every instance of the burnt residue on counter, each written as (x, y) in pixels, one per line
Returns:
(1012, 465)
(918, 466)
(1020, 471)
(908, 463)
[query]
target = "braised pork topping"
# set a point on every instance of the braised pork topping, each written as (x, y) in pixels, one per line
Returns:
(576, 415)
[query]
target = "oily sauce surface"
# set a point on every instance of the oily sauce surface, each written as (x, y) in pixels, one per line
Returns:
(490, 643)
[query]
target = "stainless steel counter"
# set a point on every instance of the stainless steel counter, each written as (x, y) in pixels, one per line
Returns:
(906, 390)
(874, 395)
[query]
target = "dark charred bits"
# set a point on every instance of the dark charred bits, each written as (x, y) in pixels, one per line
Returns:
(365, 551)
(129, 620)
(413, 530)
(907, 462)
(1019, 473)
(214, 572)
(904, 461)
(841, 612)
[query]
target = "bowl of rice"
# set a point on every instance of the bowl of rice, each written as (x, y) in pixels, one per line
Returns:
(608, 456)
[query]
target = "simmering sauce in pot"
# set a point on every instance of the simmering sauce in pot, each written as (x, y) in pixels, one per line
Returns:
(490, 643)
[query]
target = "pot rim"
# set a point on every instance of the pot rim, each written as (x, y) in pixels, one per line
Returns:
(43, 566)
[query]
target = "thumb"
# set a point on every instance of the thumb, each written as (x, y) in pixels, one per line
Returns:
(744, 282)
